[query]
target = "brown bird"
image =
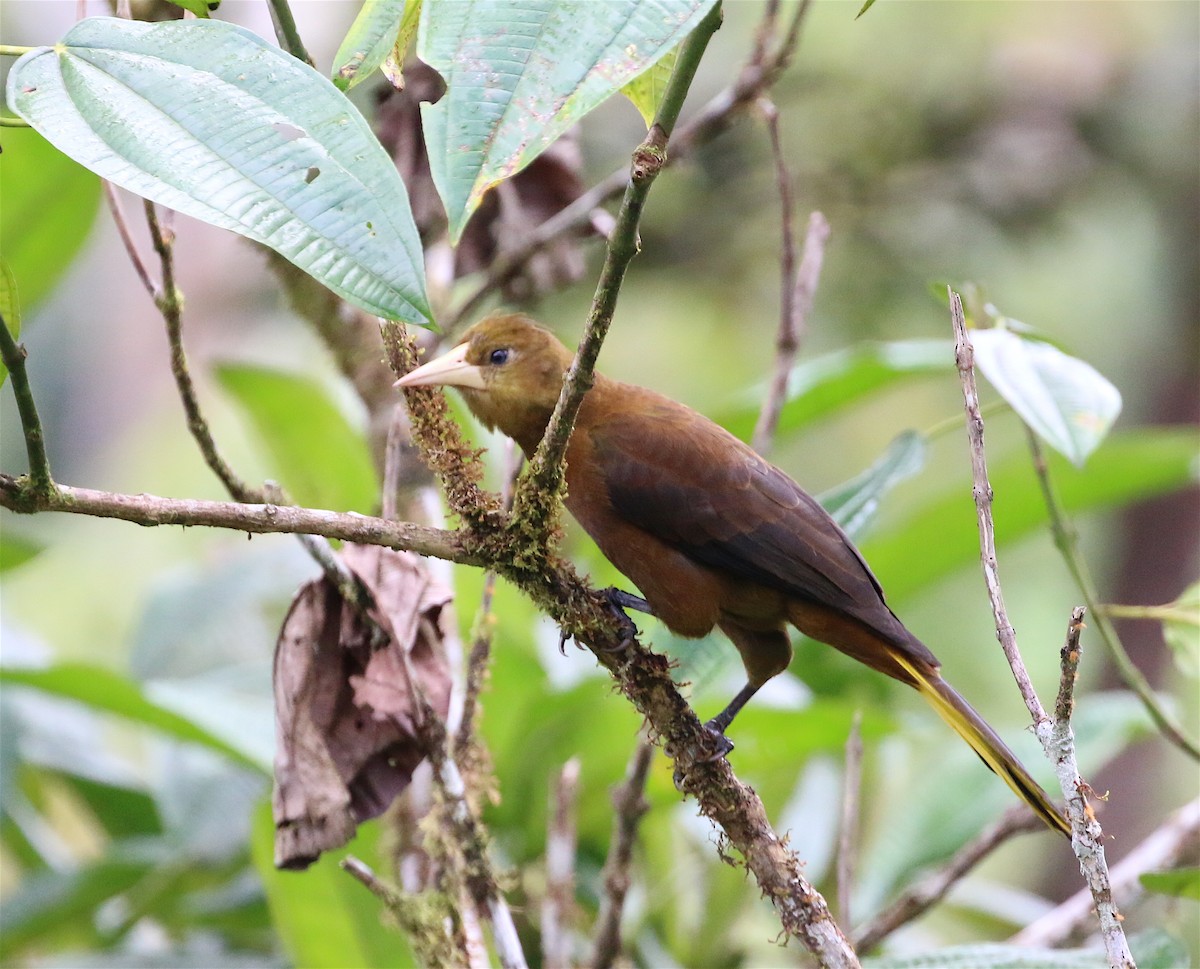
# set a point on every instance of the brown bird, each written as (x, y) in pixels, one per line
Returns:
(709, 532)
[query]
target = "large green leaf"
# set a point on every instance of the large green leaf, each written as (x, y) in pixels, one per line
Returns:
(209, 119)
(1066, 401)
(102, 689)
(1128, 466)
(49, 205)
(324, 918)
(823, 384)
(321, 460)
(520, 74)
(62, 904)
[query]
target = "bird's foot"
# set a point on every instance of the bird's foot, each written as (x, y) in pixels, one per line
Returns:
(721, 745)
(617, 602)
(716, 745)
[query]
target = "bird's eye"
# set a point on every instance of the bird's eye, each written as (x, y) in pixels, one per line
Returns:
(498, 357)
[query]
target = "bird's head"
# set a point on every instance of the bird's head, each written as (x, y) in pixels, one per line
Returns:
(508, 369)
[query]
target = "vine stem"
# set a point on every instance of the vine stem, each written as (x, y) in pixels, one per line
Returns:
(41, 482)
(1067, 541)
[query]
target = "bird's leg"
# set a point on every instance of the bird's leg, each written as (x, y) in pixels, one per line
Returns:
(718, 724)
(627, 600)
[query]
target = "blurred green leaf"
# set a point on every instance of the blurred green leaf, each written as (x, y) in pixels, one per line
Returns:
(1066, 401)
(122, 811)
(938, 818)
(824, 384)
(518, 76)
(647, 89)
(1156, 949)
(321, 460)
(10, 308)
(370, 39)
(209, 119)
(853, 504)
(201, 8)
(1128, 466)
(993, 955)
(864, 8)
(1180, 882)
(60, 906)
(16, 550)
(1153, 949)
(325, 919)
(50, 203)
(103, 690)
(1181, 630)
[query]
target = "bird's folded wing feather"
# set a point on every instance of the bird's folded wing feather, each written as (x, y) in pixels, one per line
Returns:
(688, 482)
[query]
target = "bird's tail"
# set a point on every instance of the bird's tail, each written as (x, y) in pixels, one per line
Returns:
(969, 725)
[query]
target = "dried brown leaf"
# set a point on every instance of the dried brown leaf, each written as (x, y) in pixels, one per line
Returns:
(347, 716)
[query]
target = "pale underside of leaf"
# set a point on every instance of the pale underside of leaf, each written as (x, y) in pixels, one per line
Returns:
(1065, 400)
(207, 118)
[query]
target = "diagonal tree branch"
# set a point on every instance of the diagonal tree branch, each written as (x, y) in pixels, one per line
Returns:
(542, 480)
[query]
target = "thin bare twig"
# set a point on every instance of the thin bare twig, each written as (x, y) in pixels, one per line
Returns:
(964, 358)
(800, 291)
(848, 835)
(630, 805)
(119, 220)
(1175, 840)
(1067, 542)
(470, 840)
(479, 658)
(1055, 735)
(1087, 838)
(251, 518)
(558, 905)
(422, 924)
(170, 304)
(921, 896)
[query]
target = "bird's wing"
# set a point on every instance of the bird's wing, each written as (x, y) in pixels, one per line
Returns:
(691, 484)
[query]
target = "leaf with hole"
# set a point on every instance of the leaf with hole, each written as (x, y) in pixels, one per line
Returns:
(207, 118)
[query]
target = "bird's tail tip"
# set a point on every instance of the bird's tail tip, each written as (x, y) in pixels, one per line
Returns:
(969, 725)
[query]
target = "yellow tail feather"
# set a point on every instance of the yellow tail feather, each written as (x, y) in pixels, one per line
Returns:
(969, 725)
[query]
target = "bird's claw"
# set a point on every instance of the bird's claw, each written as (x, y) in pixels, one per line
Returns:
(718, 746)
(721, 745)
(617, 602)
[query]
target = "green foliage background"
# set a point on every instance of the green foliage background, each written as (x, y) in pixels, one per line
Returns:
(1048, 151)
